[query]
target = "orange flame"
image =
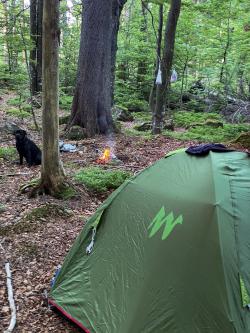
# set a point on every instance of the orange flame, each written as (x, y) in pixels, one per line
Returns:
(105, 158)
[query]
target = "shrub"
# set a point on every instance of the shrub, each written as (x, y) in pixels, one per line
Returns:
(100, 180)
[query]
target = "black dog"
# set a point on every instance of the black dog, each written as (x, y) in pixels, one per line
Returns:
(27, 148)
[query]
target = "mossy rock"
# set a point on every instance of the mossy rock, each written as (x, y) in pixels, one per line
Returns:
(209, 122)
(244, 140)
(64, 119)
(146, 126)
(9, 127)
(76, 133)
(213, 123)
(122, 114)
(169, 125)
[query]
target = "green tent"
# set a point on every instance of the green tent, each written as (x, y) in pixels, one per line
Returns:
(169, 252)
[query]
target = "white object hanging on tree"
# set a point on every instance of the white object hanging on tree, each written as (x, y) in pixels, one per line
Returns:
(159, 76)
(174, 76)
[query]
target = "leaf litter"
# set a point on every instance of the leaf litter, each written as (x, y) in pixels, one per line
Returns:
(35, 251)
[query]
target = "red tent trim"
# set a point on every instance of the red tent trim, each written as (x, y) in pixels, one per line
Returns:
(66, 314)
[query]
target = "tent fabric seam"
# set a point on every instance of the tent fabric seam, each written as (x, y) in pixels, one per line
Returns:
(66, 314)
(219, 231)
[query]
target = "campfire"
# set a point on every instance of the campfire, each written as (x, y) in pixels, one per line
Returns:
(105, 157)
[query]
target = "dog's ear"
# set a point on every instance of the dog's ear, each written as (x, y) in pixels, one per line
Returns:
(24, 133)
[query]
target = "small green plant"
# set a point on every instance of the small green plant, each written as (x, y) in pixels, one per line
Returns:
(100, 180)
(18, 113)
(26, 107)
(65, 102)
(7, 152)
(142, 116)
(15, 101)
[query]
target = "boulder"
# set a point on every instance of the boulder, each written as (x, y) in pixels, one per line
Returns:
(9, 127)
(244, 140)
(64, 119)
(146, 126)
(209, 122)
(122, 114)
(169, 125)
(76, 133)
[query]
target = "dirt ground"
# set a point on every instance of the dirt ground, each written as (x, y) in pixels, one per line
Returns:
(36, 244)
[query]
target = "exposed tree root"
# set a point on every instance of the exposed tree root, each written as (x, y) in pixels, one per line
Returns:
(63, 190)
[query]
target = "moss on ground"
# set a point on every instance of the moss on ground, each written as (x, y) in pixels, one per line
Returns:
(8, 153)
(35, 218)
(202, 127)
(100, 180)
(20, 113)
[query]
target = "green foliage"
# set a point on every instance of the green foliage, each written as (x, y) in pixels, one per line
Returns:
(185, 119)
(14, 101)
(18, 113)
(208, 134)
(100, 180)
(142, 116)
(7, 153)
(65, 102)
(67, 193)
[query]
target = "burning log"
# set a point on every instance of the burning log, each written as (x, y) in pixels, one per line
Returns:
(105, 157)
(108, 157)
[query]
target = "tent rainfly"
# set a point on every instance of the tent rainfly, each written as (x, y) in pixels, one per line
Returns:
(167, 252)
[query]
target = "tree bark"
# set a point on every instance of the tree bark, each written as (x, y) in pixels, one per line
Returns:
(166, 65)
(117, 7)
(158, 57)
(39, 43)
(36, 15)
(33, 76)
(52, 175)
(91, 107)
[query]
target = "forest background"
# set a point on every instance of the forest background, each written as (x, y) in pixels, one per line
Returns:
(211, 60)
(208, 100)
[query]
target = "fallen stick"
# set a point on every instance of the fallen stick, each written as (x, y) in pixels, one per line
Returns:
(10, 299)
(14, 174)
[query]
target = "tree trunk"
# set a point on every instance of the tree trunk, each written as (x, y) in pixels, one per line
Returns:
(142, 65)
(33, 21)
(91, 107)
(36, 14)
(158, 57)
(223, 72)
(39, 44)
(117, 7)
(166, 64)
(52, 175)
